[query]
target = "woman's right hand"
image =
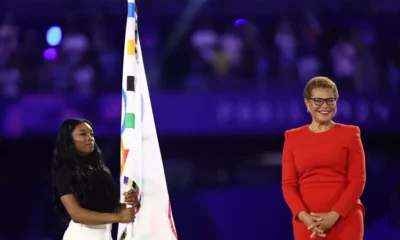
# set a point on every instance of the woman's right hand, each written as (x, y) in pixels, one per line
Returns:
(308, 219)
(126, 215)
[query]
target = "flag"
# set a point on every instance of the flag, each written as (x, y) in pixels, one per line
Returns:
(141, 163)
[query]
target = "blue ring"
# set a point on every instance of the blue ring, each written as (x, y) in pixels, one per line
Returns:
(124, 101)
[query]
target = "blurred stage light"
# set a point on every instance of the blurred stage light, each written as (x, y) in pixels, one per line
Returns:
(54, 36)
(240, 22)
(50, 54)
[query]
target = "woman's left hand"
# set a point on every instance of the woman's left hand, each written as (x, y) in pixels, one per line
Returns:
(324, 221)
(131, 198)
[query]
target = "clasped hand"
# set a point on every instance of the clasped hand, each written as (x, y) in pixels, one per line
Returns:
(319, 223)
(131, 198)
(127, 215)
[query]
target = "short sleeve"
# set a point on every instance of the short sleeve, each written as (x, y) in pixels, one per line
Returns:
(63, 180)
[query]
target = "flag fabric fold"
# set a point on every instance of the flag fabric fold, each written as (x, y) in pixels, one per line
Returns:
(141, 162)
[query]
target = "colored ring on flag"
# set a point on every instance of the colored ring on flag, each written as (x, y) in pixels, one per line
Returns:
(124, 102)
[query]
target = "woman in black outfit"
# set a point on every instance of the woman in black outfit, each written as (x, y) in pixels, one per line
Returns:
(83, 188)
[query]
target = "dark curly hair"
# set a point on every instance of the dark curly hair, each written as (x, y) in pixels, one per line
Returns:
(65, 155)
(320, 82)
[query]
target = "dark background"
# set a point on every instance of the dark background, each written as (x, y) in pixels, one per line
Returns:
(223, 92)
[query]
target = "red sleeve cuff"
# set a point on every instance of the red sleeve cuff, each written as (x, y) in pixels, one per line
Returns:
(296, 211)
(341, 212)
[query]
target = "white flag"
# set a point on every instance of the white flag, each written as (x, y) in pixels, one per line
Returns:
(141, 163)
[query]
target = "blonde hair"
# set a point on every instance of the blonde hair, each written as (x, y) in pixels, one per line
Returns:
(320, 82)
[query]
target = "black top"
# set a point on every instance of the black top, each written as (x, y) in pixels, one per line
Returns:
(100, 195)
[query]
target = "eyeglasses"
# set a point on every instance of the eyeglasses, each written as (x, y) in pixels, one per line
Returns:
(320, 101)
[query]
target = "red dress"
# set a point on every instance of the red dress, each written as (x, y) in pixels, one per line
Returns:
(322, 172)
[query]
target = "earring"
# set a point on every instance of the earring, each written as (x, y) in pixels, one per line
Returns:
(308, 110)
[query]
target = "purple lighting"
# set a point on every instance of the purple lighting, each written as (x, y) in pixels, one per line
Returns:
(50, 54)
(240, 22)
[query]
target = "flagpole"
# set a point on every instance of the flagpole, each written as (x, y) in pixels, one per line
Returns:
(141, 161)
(129, 227)
(128, 87)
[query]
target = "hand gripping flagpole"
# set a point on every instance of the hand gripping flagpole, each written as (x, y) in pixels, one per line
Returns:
(129, 227)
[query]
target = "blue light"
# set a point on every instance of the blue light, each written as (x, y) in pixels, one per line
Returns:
(240, 22)
(50, 54)
(54, 36)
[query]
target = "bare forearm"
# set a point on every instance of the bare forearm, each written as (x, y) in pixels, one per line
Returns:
(85, 216)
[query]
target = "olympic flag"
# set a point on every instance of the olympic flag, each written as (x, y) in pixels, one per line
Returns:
(141, 163)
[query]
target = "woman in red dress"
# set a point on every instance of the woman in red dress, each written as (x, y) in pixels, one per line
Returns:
(323, 170)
